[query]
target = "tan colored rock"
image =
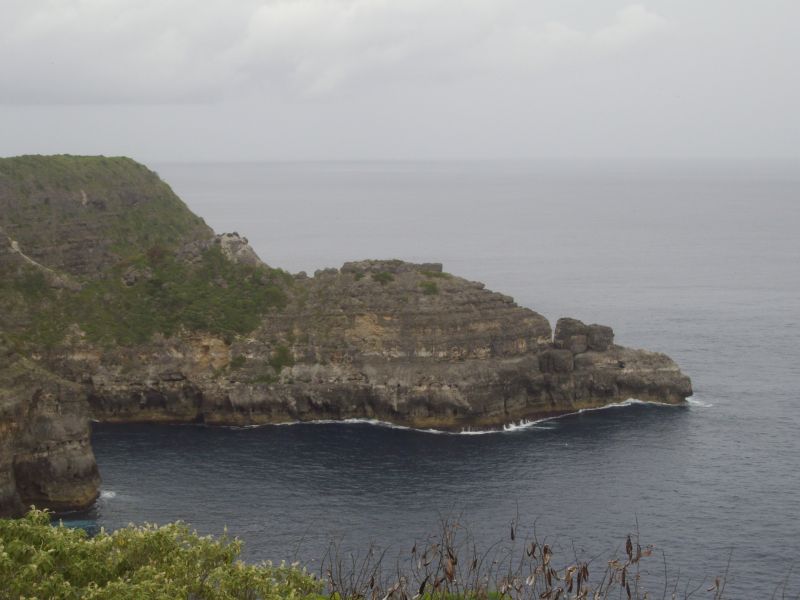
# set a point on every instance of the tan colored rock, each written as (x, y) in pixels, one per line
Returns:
(46, 458)
(383, 348)
(380, 339)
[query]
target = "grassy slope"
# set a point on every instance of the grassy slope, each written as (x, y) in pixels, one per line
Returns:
(213, 295)
(46, 198)
(143, 223)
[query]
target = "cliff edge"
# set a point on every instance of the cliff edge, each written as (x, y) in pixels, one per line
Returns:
(121, 304)
(45, 454)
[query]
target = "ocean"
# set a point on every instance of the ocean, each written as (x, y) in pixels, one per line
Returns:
(700, 260)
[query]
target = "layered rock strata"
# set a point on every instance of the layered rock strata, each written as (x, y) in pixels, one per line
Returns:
(385, 340)
(123, 306)
(46, 457)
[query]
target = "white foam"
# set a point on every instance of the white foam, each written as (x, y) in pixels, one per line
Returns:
(108, 494)
(628, 402)
(374, 422)
(692, 401)
(508, 428)
(538, 423)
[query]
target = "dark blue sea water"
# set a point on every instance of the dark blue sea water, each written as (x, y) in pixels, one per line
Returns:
(698, 260)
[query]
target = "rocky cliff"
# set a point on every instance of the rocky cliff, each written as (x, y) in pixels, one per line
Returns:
(45, 455)
(112, 287)
(385, 340)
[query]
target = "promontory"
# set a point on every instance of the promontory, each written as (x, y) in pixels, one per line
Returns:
(118, 304)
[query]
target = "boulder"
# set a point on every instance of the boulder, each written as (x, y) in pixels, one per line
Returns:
(601, 337)
(577, 337)
(572, 335)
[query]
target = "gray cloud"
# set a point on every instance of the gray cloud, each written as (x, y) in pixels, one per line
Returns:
(128, 51)
(319, 79)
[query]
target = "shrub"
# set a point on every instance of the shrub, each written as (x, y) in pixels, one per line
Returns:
(383, 277)
(429, 288)
(281, 357)
(38, 560)
(213, 295)
(238, 361)
(436, 274)
(156, 254)
(33, 284)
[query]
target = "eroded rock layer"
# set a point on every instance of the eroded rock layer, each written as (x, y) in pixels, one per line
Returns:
(121, 304)
(384, 340)
(45, 454)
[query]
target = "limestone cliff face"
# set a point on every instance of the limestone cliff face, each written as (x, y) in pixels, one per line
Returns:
(391, 341)
(45, 454)
(122, 304)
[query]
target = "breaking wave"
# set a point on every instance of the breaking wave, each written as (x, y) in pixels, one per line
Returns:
(508, 428)
(692, 401)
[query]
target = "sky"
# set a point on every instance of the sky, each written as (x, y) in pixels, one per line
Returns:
(231, 80)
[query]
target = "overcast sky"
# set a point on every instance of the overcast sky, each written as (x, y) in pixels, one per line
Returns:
(338, 79)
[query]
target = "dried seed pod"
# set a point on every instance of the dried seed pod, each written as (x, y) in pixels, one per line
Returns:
(503, 586)
(449, 570)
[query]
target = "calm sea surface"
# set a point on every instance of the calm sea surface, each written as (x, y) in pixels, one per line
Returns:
(701, 261)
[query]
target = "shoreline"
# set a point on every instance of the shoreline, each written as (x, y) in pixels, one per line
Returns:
(511, 427)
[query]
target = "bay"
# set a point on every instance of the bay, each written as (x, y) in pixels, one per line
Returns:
(695, 259)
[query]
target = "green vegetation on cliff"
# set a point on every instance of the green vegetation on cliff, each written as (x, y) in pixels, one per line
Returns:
(148, 295)
(90, 209)
(104, 244)
(38, 560)
(383, 277)
(429, 288)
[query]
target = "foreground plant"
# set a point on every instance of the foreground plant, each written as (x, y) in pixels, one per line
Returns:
(38, 560)
(449, 566)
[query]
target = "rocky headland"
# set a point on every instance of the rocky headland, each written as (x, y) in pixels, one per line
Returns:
(45, 454)
(120, 305)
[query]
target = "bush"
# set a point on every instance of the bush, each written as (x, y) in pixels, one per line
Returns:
(38, 560)
(383, 277)
(238, 362)
(213, 295)
(429, 288)
(281, 357)
(437, 274)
